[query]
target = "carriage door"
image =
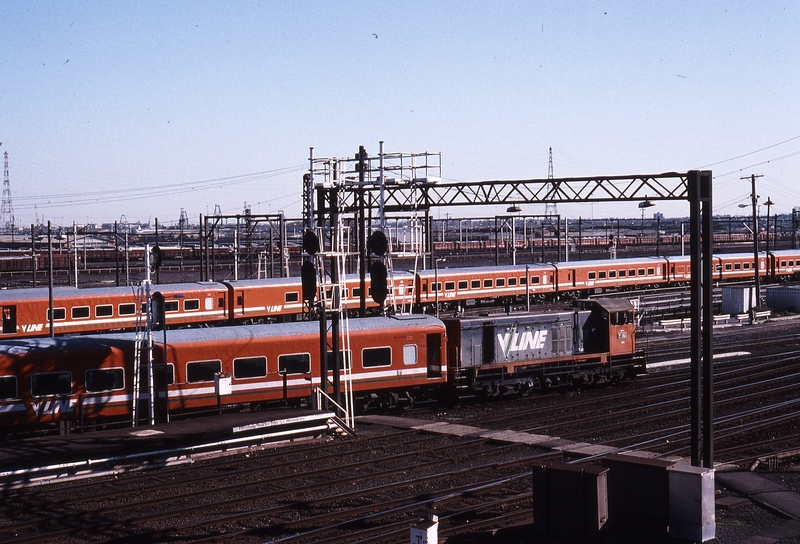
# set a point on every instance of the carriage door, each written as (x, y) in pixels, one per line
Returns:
(9, 319)
(239, 303)
(434, 342)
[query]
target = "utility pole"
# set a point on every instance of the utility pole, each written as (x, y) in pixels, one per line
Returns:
(754, 198)
(769, 203)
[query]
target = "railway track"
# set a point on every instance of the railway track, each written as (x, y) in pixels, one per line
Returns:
(371, 489)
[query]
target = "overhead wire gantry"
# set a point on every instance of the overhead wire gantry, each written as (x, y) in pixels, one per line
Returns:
(331, 189)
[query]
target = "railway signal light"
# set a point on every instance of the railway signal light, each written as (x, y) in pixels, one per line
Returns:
(310, 242)
(377, 278)
(308, 277)
(156, 257)
(377, 243)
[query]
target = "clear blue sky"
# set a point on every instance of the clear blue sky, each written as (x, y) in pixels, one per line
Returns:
(133, 107)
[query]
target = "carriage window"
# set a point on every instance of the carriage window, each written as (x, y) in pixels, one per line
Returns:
(783, 263)
(356, 292)
(59, 314)
(298, 363)
(450, 286)
(202, 371)
(535, 280)
(342, 363)
(718, 267)
(487, 283)
(641, 271)
(106, 310)
(249, 367)
(592, 275)
(512, 282)
(462, 284)
(475, 284)
(8, 387)
(523, 280)
(728, 266)
(127, 309)
(747, 266)
(372, 357)
(791, 263)
(410, 354)
(651, 271)
(500, 282)
(622, 273)
(170, 306)
(293, 296)
(632, 272)
(191, 305)
(737, 266)
(436, 287)
(601, 275)
(104, 379)
(51, 383)
(80, 312)
(612, 273)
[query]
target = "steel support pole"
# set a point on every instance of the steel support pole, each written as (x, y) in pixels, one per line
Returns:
(702, 319)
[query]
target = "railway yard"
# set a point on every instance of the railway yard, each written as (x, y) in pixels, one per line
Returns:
(465, 463)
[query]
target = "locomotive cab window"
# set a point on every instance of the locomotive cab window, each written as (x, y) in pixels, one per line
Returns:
(202, 371)
(8, 387)
(59, 314)
(191, 305)
(171, 305)
(296, 363)
(51, 383)
(80, 312)
(104, 379)
(249, 367)
(106, 310)
(372, 357)
(410, 354)
(126, 309)
(621, 318)
(292, 296)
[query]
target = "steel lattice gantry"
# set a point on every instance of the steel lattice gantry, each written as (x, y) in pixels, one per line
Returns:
(423, 194)
(335, 197)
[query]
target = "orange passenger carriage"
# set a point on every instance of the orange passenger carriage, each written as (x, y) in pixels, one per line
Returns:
(392, 361)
